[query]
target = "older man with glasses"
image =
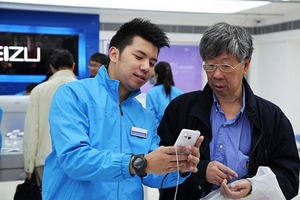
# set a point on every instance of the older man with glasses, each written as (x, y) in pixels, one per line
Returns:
(242, 131)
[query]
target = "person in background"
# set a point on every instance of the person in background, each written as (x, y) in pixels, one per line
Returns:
(28, 89)
(242, 131)
(96, 61)
(36, 139)
(158, 97)
(105, 144)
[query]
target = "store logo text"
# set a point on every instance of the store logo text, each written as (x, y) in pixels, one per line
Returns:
(12, 54)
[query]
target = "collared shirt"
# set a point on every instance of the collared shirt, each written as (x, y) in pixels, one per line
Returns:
(231, 140)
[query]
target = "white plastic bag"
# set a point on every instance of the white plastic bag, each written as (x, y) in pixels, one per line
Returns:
(264, 187)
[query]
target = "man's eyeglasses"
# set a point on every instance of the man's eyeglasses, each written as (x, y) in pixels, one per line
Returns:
(94, 66)
(223, 67)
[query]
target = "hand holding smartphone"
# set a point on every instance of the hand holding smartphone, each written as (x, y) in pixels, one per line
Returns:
(187, 137)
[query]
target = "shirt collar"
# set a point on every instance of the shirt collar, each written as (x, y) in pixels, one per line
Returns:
(217, 105)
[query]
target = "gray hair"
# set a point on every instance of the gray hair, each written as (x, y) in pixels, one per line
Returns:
(223, 37)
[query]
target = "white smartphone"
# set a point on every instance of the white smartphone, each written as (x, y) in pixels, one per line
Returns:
(187, 137)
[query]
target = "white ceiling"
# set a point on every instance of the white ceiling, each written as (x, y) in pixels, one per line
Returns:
(273, 13)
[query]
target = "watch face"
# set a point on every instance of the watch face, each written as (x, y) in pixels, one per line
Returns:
(139, 162)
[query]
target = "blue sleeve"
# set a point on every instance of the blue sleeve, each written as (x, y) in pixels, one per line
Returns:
(149, 103)
(165, 180)
(79, 159)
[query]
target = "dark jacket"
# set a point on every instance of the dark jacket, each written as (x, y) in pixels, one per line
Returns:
(273, 140)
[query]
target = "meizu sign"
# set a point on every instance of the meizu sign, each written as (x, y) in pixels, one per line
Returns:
(14, 54)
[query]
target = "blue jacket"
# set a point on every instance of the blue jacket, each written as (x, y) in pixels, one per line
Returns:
(92, 143)
(157, 100)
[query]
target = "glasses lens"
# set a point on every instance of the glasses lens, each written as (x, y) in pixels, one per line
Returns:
(226, 68)
(209, 67)
(94, 66)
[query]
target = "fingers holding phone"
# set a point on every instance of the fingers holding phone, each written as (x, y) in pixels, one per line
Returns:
(191, 141)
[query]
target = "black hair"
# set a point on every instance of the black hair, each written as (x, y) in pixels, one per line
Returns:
(30, 86)
(139, 27)
(61, 58)
(164, 75)
(99, 58)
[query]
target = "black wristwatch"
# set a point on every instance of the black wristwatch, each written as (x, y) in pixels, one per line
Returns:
(139, 164)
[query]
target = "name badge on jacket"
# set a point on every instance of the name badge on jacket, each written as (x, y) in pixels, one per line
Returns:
(139, 132)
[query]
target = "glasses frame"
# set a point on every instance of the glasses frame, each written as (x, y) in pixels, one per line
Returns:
(94, 66)
(230, 68)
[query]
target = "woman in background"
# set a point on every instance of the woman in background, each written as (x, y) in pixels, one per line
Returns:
(158, 97)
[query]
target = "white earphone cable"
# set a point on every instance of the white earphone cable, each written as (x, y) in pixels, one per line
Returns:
(175, 195)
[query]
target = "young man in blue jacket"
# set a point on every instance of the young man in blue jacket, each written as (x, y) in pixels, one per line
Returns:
(105, 144)
(242, 131)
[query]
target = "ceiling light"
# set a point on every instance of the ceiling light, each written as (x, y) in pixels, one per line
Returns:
(194, 6)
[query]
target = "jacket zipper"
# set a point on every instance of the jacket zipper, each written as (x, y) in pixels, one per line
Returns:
(121, 111)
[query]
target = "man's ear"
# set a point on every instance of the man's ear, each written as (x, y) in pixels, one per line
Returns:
(52, 69)
(73, 66)
(113, 54)
(246, 65)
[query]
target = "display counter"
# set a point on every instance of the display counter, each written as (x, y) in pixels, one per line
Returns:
(11, 161)
(11, 167)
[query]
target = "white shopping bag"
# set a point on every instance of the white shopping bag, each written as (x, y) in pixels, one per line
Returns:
(264, 186)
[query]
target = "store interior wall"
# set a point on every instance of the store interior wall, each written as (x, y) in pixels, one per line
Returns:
(273, 72)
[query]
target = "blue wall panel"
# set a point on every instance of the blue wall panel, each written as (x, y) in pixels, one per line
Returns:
(86, 26)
